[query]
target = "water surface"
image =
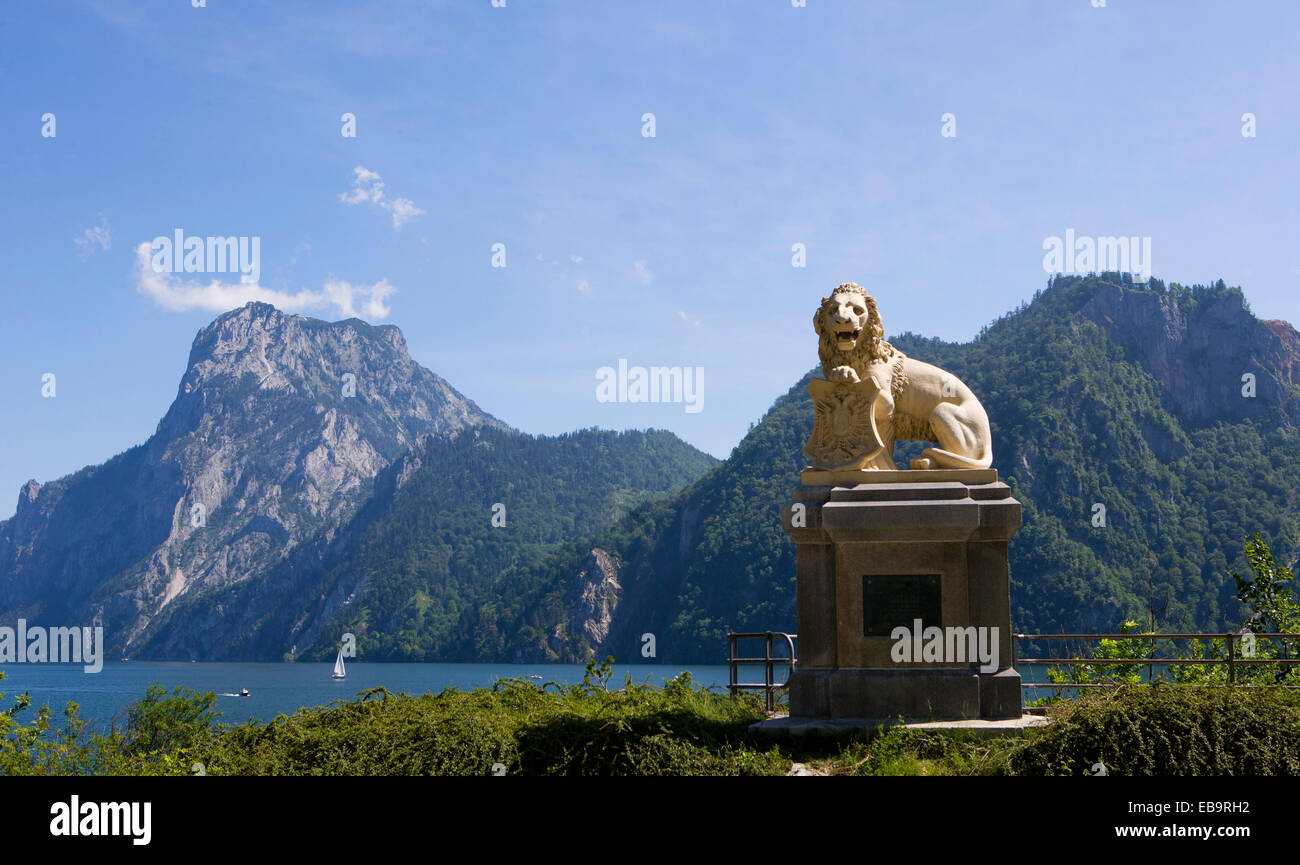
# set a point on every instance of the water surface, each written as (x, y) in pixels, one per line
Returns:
(278, 688)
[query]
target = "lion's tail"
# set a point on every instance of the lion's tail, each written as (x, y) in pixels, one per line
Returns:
(949, 460)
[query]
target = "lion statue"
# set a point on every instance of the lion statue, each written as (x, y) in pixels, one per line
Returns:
(916, 402)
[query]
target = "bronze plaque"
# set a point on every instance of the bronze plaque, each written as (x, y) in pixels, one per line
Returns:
(889, 601)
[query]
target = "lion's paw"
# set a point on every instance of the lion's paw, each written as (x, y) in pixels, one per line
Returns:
(844, 373)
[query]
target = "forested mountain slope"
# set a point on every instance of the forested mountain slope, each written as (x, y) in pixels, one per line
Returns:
(1100, 392)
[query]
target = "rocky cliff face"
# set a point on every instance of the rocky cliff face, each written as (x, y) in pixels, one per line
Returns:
(279, 428)
(1200, 348)
(596, 596)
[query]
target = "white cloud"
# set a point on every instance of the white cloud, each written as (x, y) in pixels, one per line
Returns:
(576, 259)
(95, 236)
(584, 288)
(684, 317)
(642, 273)
(404, 210)
(172, 291)
(345, 296)
(367, 186)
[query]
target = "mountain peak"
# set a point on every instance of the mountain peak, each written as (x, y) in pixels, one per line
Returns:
(257, 352)
(280, 426)
(254, 322)
(255, 311)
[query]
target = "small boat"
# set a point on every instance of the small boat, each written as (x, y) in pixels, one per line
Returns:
(243, 692)
(339, 671)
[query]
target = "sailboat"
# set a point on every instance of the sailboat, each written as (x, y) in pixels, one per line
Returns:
(339, 672)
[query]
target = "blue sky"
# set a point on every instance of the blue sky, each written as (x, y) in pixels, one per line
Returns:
(522, 125)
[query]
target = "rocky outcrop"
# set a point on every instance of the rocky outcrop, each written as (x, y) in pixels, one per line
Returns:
(596, 597)
(1199, 345)
(593, 598)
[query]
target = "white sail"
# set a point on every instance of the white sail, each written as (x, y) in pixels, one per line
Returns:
(339, 672)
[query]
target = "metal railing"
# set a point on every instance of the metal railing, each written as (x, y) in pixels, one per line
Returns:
(1230, 661)
(769, 686)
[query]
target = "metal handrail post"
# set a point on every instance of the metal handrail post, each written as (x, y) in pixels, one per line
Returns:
(767, 663)
(731, 662)
(1232, 662)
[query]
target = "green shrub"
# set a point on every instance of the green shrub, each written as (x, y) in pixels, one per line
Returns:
(679, 729)
(1168, 730)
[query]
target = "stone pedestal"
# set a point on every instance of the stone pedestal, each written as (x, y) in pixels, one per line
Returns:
(880, 549)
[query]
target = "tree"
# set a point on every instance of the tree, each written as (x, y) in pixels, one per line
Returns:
(1273, 610)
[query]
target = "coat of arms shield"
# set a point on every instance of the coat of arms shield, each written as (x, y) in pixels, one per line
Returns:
(844, 433)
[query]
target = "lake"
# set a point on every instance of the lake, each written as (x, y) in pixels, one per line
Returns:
(277, 688)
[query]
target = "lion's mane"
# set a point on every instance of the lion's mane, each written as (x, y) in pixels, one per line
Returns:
(869, 350)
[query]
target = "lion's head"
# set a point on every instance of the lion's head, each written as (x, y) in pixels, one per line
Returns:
(849, 330)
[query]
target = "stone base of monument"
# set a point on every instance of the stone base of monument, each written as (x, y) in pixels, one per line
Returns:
(903, 597)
